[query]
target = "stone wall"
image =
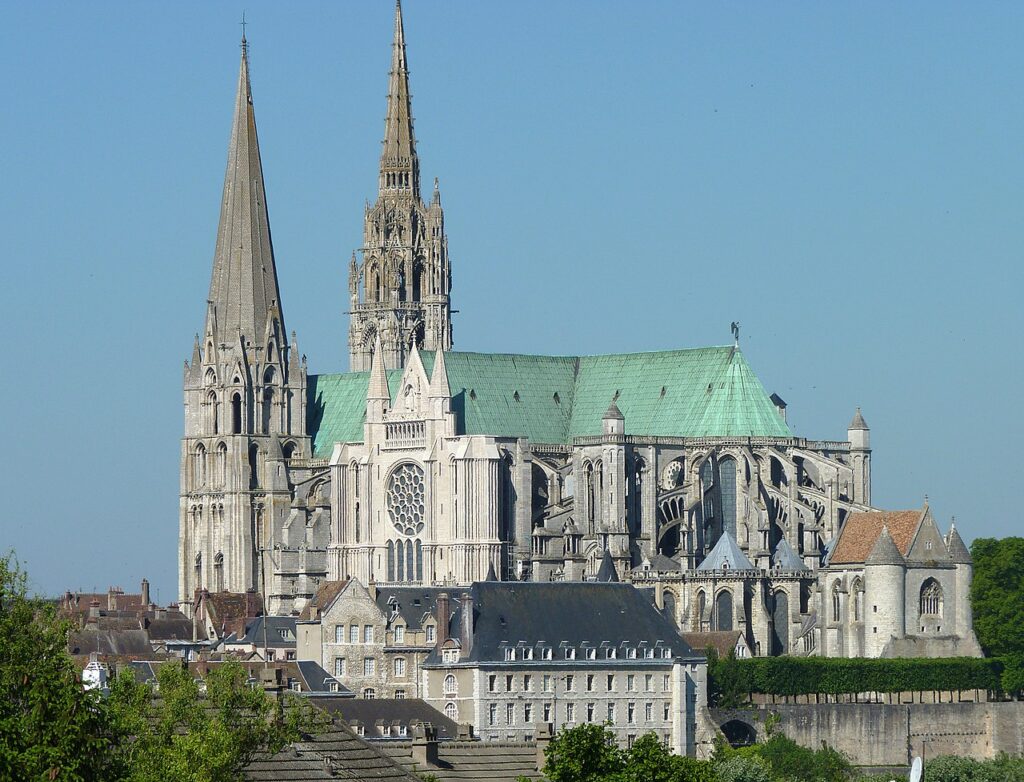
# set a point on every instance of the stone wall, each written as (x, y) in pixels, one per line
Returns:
(877, 734)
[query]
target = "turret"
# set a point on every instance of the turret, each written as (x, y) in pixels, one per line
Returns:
(884, 595)
(859, 436)
(964, 564)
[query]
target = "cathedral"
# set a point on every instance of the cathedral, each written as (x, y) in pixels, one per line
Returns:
(424, 465)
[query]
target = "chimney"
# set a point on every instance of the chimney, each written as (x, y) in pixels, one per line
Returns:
(94, 610)
(145, 594)
(111, 599)
(467, 624)
(442, 619)
(544, 733)
(424, 745)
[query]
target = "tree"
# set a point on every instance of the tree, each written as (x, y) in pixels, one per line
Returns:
(586, 753)
(50, 727)
(649, 760)
(997, 594)
(180, 735)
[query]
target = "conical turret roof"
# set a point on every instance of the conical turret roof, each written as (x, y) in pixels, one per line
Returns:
(884, 551)
(858, 422)
(607, 572)
(785, 558)
(726, 555)
(958, 550)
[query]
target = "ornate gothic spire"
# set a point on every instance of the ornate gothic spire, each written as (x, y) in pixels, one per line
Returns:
(243, 290)
(399, 167)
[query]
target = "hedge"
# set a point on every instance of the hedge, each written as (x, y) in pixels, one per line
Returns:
(839, 676)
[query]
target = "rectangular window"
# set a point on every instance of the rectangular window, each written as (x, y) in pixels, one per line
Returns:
(400, 634)
(368, 634)
(339, 634)
(547, 712)
(666, 682)
(611, 682)
(649, 682)
(667, 711)
(666, 653)
(528, 653)
(570, 683)
(610, 653)
(400, 666)
(369, 666)
(630, 740)
(399, 695)
(492, 683)
(546, 683)
(510, 713)
(631, 653)
(570, 654)
(648, 711)
(339, 666)
(528, 713)
(546, 653)
(353, 634)
(611, 713)
(492, 714)
(630, 683)
(510, 654)
(431, 634)
(631, 713)
(508, 683)
(590, 712)
(590, 682)
(528, 683)
(648, 654)
(591, 653)
(570, 712)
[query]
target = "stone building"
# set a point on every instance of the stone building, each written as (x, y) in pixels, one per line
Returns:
(425, 466)
(515, 655)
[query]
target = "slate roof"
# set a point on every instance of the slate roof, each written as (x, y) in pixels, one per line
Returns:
(110, 642)
(561, 614)
(701, 392)
(861, 530)
(414, 603)
(392, 711)
(493, 761)
(663, 564)
(176, 628)
(785, 558)
(858, 421)
(317, 681)
(726, 555)
(606, 572)
(336, 753)
(958, 552)
(280, 633)
(884, 551)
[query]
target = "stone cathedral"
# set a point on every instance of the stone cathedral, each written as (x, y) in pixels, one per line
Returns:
(426, 465)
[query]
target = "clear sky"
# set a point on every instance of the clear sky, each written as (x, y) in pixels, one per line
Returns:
(844, 179)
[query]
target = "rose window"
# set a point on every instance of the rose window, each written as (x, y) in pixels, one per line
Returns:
(405, 499)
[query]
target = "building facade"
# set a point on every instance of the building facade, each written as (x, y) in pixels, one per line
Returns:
(428, 467)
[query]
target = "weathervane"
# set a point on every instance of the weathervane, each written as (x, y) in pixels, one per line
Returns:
(735, 327)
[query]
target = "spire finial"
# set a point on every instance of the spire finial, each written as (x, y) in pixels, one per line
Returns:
(245, 44)
(735, 328)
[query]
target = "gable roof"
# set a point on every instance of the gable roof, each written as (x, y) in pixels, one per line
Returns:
(325, 595)
(785, 558)
(468, 761)
(722, 641)
(700, 392)
(726, 555)
(414, 603)
(401, 711)
(280, 633)
(861, 530)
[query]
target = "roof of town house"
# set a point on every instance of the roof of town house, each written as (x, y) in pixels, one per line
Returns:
(726, 555)
(564, 614)
(229, 612)
(325, 595)
(335, 753)
(493, 761)
(722, 641)
(104, 641)
(177, 627)
(415, 604)
(700, 392)
(860, 532)
(405, 712)
(272, 632)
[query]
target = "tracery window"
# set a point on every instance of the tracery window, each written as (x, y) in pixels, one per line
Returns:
(727, 492)
(931, 598)
(835, 602)
(405, 499)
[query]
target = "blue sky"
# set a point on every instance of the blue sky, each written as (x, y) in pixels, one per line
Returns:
(845, 180)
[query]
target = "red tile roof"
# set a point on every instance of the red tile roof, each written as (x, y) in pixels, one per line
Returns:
(861, 530)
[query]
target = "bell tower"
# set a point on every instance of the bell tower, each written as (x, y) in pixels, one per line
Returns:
(400, 291)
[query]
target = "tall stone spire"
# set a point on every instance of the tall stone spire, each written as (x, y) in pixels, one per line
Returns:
(243, 289)
(399, 167)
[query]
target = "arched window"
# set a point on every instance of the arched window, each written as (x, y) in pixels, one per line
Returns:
(268, 410)
(931, 598)
(222, 464)
(199, 466)
(289, 450)
(599, 490)
(255, 464)
(451, 711)
(835, 602)
(236, 413)
(723, 610)
(419, 561)
(391, 560)
(199, 570)
(702, 604)
(410, 564)
(450, 685)
(218, 572)
(588, 477)
(727, 493)
(670, 606)
(400, 560)
(214, 414)
(858, 600)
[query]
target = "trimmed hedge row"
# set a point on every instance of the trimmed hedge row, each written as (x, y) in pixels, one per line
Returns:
(730, 677)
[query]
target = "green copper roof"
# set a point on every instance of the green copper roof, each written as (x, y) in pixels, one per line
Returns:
(704, 392)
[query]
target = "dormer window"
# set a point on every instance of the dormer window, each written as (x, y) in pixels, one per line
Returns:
(510, 653)
(431, 634)
(648, 654)
(666, 653)
(611, 653)
(528, 653)
(570, 653)
(630, 653)
(546, 653)
(451, 656)
(591, 653)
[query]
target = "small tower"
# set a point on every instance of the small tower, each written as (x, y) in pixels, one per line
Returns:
(859, 436)
(401, 291)
(884, 595)
(964, 564)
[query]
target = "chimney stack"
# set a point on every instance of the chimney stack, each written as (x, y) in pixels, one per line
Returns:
(442, 619)
(145, 594)
(94, 610)
(424, 745)
(467, 624)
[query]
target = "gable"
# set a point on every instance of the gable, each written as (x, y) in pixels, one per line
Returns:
(928, 545)
(861, 530)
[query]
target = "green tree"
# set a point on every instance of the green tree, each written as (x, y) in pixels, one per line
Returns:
(586, 753)
(180, 735)
(649, 760)
(997, 594)
(50, 728)
(743, 768)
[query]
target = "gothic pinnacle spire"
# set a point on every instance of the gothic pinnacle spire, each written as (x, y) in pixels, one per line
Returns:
(399, 167)
(243, 289)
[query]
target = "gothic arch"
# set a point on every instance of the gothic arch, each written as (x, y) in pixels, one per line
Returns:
(930, 602)
(723, 619)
